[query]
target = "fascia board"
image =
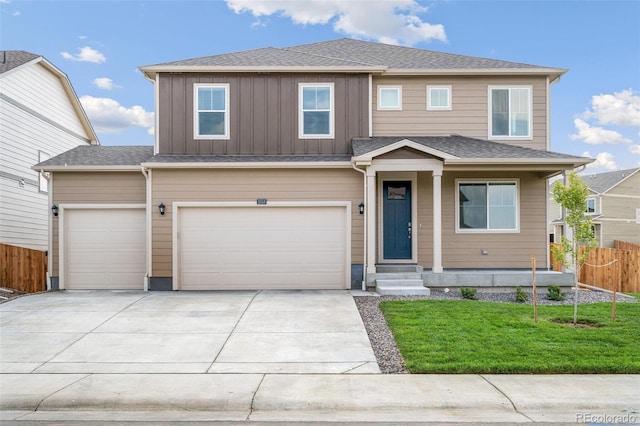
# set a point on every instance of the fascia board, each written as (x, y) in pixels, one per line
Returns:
(152, 70)
(475, 71)
(128, 168)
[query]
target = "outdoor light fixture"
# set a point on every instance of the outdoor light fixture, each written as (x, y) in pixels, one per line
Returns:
(54, 210)
(161, 207)
(361, 208)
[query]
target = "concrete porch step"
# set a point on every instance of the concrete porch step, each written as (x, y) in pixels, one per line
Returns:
(398, 276)
(397, 268)
(401, 287)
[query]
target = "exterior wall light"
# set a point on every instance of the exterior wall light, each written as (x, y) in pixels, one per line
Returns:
(54, 210)
(361, 208)
(161, 207)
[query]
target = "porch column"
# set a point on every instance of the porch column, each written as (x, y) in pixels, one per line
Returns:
(437, 221)
(371, 220)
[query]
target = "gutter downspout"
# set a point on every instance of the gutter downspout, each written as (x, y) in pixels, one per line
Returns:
(147, 178)
(366, 206)
(49, 180)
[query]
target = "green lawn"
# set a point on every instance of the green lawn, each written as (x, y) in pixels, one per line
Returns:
(465, 336)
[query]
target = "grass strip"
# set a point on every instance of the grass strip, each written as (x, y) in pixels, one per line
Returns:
(472, 337)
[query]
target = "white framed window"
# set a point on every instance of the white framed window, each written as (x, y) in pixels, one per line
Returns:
(211, 107)
(591, 205)
(487, 206)
(510, 112)
(43, 183)
(390, 97)
(315, 104)
(439, 98)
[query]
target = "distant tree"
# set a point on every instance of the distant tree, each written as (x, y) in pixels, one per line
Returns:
(573, 198)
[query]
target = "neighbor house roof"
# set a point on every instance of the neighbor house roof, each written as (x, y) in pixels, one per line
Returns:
(603, 182)
(96, 157)
(13, 60)
(349, 55)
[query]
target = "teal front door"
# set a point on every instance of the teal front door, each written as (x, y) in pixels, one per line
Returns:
(396, 224)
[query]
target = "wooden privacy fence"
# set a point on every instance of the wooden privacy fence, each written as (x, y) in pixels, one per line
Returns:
(23, 269)
(625, 269)
(623, 245)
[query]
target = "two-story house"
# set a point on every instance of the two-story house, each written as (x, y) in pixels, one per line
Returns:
(613, 204)
(317, 166)
(40, 117)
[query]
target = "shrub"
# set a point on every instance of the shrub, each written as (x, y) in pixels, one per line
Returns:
(521, 296)
(469, 293)
(554, 293)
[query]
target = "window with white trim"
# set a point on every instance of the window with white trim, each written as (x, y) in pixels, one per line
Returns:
(591, 205)
(438, 97)
(43, 183)
(315, 119)
(211, 106)
(390, 97)
(487, 206)
(509, 112)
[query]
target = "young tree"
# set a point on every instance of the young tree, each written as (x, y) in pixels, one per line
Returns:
(573, 199)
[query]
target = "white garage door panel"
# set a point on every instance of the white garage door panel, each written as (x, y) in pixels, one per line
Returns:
(105, 249)
(263, 247)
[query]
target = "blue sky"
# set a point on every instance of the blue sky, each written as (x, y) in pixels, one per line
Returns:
(101, 44)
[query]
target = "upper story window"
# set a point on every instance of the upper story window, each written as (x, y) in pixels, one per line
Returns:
(487, 206)
(316, 111)
(211, 119)
(438, 97)
(510, 112)
(390, 97)
(591, 205)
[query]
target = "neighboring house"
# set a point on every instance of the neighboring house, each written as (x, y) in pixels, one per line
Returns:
(315, 166)
(613, 204)
(40, 117)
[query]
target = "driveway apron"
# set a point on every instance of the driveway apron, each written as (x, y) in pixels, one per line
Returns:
(185, 332)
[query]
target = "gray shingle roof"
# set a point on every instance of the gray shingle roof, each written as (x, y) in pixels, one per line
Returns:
(245, 158)
(461, 147)
(602, 182)
(10, 59)
(97, 155)
(349, 52)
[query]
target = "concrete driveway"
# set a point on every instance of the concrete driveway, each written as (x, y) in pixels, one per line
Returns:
(184, 332)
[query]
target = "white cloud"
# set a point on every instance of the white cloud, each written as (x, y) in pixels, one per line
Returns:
(16, 13)
(388, 21)
(104, 83)
(634, 149)
(85, 54)
(604, 160)
(108, 116)
(596, 135)
(620, 109)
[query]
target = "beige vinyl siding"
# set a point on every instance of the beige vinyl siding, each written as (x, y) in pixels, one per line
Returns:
(469, 115)
(94, 188)
(619, 212)
(249, 185)
(263, 112)
(506, 250)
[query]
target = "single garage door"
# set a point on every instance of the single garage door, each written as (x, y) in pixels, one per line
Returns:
(263, 247)
(104, 249)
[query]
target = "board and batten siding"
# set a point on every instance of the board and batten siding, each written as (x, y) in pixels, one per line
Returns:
(37, 116)
(242, 185)
(93, 188)
(263, 114)
(469, 115)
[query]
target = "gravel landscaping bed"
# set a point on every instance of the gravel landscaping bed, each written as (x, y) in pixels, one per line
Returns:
(384, 345)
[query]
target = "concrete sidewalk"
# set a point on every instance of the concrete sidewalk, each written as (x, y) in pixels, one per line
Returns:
(325, 397)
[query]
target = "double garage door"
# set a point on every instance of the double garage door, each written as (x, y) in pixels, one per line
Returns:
(215, 248)
(262, 247)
